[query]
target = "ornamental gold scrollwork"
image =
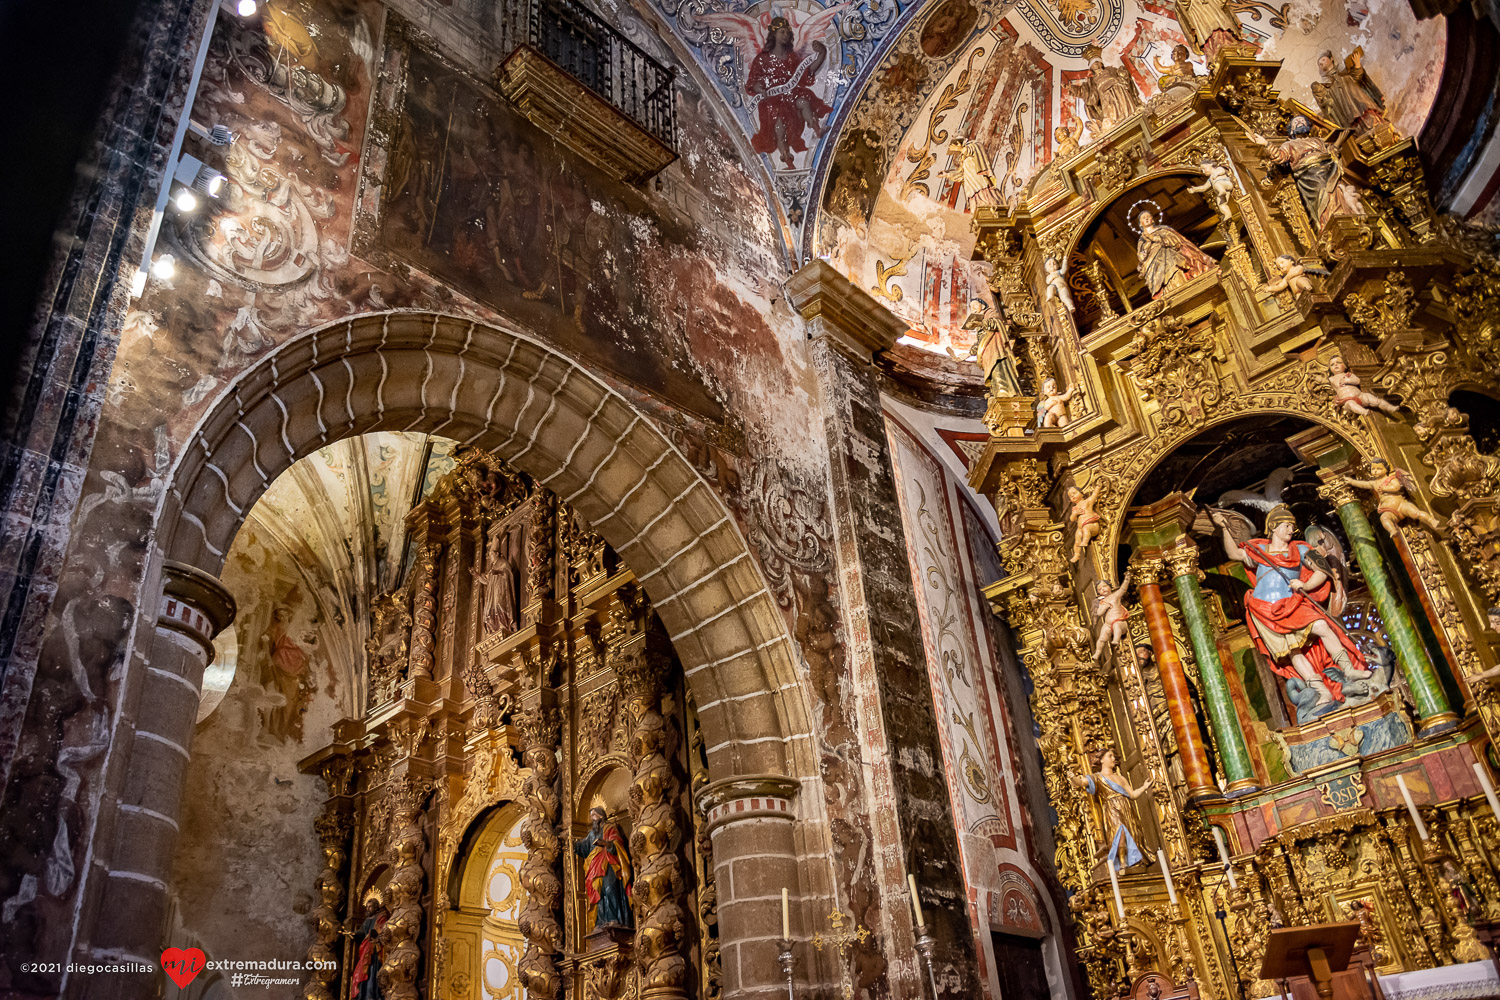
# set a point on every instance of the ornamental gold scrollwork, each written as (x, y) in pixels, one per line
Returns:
(403, 928)
(1176, 365)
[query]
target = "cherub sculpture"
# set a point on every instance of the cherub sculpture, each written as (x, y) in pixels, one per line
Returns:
(1348, 394)
(1087, 524)
(1066, 137)
(1057, 283)
(1292, 274)
(1217, 178)
(1110, 613)
(1052, 406)
(1391, 487)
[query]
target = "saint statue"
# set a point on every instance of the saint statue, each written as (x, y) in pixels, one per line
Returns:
(1208, 25)
(606, 872)
(1349, 96)
(499, 582)
(1121, 846)
(1167, 258)
(973, 171)
(1315, 167)
(364, 982)
(991, 350)
(1108, 92)
(1285, 611)
(781, 81)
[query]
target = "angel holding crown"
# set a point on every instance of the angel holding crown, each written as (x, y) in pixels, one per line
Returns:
(783, 71)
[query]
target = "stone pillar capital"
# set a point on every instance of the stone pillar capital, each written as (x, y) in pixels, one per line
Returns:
(194, 603)
(1338, 492)
(838, 310)
(729, 800)
(1147, 571)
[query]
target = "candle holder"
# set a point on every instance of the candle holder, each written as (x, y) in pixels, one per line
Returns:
(788, 964)
(925, 944)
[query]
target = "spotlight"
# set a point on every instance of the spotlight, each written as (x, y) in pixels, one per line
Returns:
(164, 267)
(209, 181)
(246, 8)
(220, 135)
(185, 200)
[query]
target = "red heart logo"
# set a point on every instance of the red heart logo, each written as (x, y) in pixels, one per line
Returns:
(182, 965)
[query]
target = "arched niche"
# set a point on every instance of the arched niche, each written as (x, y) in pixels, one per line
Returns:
(1110, 239)
(606, 787)
(485, 897)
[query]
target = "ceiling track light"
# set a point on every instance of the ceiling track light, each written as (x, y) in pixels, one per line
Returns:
(246, 8)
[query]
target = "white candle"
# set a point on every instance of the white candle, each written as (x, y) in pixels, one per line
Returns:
(1224, 856)
(1114, 884)
(1489, 788)
(1161, 857)
(916, 904)
(786, 917)
(1411, 807)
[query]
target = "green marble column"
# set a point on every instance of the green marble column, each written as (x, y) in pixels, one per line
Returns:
(1411, 654)
(1182, 562)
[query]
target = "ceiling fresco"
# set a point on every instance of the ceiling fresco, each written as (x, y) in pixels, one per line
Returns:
(330, 530)
(1013, 78)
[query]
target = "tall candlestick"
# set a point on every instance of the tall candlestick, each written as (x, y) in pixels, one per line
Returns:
(1489, 788)
(1224, 856)
(1114, 884)
(786, 916)
(1411, 807)
(1161, 857)
(916, 904)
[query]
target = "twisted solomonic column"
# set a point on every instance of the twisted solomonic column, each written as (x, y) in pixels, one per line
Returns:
(540, 876)
(398, 971)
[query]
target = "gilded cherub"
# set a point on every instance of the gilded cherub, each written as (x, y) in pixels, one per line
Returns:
(1057, 283)
(1066, 136)
(1052, 406)
(1218, 179)
(1348, 394)
(1391, 487)
(1293, 274)
(1110, 613)
(1087, 523)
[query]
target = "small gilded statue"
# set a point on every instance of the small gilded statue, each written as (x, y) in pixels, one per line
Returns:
(1087, 524)
(1292, 274)
(1108, 92)
(499, 581)
(1348, 394)
(1391, 487)
(1349, 96)
(991, 350)
(1181, 73)
(974, 173)
(1057, 283)
(1286, 611)
(364, 981)
(1110, 613)
(1066, 137)
(1052, 406)
(1209, 25)
(1167, 258)
(606, 872)
(1316, 169)
(1116, 798)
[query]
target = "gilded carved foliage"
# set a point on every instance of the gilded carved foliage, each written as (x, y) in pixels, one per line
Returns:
(596, 725)
(424, 614)
(333, 835)
(403, 928)
(1388, 312)
(387, 648)
(1177, 366)
(1476, 310)
(540, 728)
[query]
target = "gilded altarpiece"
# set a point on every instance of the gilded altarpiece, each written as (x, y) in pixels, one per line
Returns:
(1249, 536)
(511, 815)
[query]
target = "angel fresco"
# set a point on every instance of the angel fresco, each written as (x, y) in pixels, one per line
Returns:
(784, 50)
(1287, 611)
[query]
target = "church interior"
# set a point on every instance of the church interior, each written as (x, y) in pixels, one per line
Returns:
(751, 499)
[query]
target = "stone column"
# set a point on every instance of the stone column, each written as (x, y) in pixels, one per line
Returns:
(1239, 772)
(1174, 682)
(910, 809)
(1426, 690)
(128, 890)
(751, 822)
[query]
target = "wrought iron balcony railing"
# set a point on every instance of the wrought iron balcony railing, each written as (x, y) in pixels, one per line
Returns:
(582, 44)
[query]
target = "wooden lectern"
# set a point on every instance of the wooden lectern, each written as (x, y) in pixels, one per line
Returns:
(1317, 953)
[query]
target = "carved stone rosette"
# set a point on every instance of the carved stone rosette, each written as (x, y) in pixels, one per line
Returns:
(540, 876)
(333, 834)
(398, 971)
(655, 794)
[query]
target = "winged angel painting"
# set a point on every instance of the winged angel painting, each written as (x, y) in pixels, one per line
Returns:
(783, 53)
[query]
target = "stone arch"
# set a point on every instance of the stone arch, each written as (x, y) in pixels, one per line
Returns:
(494, 388)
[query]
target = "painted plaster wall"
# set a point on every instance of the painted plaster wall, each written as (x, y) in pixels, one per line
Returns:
(951, 558)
